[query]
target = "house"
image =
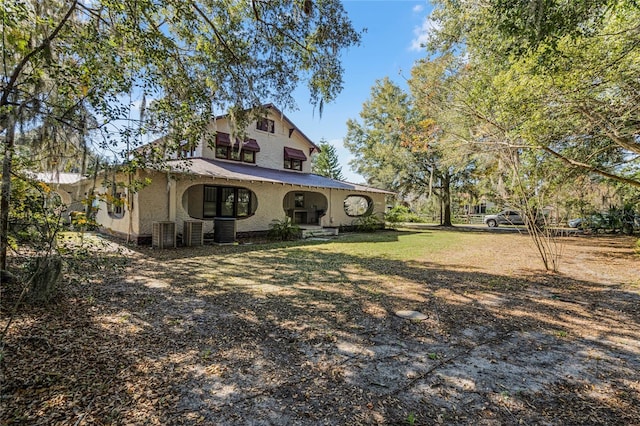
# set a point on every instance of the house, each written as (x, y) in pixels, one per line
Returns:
(267, 177)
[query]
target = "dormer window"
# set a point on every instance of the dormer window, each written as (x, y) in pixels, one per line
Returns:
(266, 125)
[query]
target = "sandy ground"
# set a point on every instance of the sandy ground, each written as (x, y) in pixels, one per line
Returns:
(294, 334)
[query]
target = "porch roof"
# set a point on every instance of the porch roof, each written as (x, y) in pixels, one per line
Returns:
(247, 173)
(59, 178)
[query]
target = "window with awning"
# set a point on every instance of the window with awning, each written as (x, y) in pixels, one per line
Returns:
(244, 153)
(294, 154)
(293, 158)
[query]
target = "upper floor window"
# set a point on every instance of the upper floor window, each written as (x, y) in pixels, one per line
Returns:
(245, 153)
(187, 150)
(293, 159)
(266, 125)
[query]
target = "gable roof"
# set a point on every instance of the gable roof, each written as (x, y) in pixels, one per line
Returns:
(224, 116)
(293, 126)
(247, 173)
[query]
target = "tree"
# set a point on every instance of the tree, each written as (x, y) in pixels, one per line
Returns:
(556, 77)
(66, 60)
(545, 86)
(376, 139)
(326, 163)
(399, 146)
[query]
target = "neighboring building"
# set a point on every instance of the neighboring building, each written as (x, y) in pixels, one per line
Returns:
(265, 178)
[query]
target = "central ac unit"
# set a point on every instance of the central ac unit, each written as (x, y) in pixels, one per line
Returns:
(164, 234)
(192, 234)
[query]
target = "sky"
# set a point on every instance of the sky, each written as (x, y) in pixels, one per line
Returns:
(389, 47)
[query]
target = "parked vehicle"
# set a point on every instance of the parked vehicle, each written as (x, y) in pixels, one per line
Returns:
(505, 217)
(613, 221)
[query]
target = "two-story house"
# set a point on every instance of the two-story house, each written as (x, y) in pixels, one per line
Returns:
(264, 178)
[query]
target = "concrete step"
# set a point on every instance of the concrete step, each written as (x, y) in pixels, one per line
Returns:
(319, 232)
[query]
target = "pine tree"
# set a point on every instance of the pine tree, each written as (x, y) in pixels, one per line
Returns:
(326, 162)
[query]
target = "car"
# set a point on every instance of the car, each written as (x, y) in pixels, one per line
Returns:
(505, 217)
(576, 223)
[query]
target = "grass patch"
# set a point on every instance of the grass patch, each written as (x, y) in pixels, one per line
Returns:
(395, 245)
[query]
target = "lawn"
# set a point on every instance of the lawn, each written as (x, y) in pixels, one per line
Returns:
(306, 333)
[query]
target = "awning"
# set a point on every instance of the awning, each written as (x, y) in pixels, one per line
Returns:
(222, 139)
(249, 145)
(294, 154)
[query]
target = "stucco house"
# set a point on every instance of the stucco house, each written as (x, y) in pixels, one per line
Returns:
(249, 184)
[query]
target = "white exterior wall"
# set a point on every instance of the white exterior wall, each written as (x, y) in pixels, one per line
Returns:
(161, 202)
(270, 206)
(118, 225)
(272, 145)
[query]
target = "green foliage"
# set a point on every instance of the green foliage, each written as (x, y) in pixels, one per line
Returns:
(284, 230)
(556, 78)
(368, 223)
(326, 162)
(411, 419)
(402, 213)
(375, 139)
(35, 216)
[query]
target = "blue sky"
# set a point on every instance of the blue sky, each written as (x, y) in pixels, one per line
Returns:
(389, 48)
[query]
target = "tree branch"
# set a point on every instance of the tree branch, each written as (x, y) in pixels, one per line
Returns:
(574, 163)
(18, 69)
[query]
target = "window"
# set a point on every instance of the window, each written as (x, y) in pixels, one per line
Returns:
(115, 204)
(357, 205)
(222, 152)
(246, 153)
(293, 158)
(293, 164)
(210, 201)
(243, 203)
(298, 200)
(248, 156)
(187, 150)
(265, 125)
(228, 201)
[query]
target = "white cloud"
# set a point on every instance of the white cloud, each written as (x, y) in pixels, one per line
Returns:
(418, 8)
(422, 34)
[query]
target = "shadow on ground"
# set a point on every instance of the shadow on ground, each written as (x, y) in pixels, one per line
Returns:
(294, 334)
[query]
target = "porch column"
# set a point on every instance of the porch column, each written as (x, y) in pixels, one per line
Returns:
(172, 184)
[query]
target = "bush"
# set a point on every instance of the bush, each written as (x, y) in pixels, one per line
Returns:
(368, 223)
(402, 214)
(283, 230)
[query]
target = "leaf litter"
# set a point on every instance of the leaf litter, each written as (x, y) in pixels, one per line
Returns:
(297, 334)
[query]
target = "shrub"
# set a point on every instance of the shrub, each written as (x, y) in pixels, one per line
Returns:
(283, 230)
(402, 214)
(368, 223)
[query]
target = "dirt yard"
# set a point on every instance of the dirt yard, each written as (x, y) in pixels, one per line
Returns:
(306, 334)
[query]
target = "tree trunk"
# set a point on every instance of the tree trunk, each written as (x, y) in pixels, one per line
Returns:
(446, 198)
(7, 164)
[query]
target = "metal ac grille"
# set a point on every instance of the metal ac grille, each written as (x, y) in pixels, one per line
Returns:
(163, 235)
